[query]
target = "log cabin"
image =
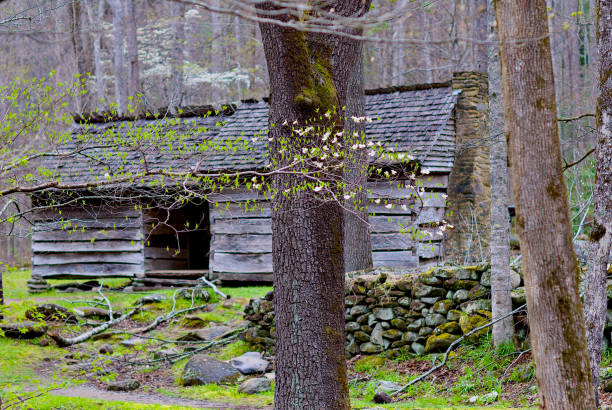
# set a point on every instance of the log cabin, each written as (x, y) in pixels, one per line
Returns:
(443, 126)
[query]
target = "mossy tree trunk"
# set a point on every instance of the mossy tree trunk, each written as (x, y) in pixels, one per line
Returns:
(501, 301)
(307, 231)
(551, 271)
(601, 235)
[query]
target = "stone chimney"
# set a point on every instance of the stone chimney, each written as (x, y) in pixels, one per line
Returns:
(469, 185)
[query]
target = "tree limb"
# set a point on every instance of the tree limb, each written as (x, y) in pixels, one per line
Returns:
(452, 346)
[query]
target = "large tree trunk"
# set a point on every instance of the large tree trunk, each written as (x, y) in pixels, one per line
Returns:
(120, 94)
(95, 22)
(500, 219)
(550, 267)
(132, 49)
(307, 231)
(601, 235)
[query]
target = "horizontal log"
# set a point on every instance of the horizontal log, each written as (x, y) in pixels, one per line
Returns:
(393, 241)
(165, 264)
(163, 253)
(242, 263)
(390, 224)
(78, 224)
(231, 210)
(241, 226)
(170, 281)
(95, 246)
(245, 277)
(242, 243)
(85, 213)
(87, 270)
(87, 235)
(237, 195)
(184, 274)
(68, 258)
(398, 259)
(430, 215)
(429, 250)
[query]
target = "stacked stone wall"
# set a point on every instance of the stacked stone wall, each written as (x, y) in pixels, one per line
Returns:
(389, 311)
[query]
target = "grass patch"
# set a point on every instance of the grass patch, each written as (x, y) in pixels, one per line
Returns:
(51, 401)
(227, 394)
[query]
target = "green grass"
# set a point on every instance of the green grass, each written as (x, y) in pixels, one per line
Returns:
(51, 401)
(226, 394)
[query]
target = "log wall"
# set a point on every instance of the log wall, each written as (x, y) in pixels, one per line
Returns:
(99, 241)
(241, 241)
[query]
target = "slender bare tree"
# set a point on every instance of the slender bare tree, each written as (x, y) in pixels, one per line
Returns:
(133, 82)
(601, 235)
(94, 18)
(177, 12)
(550, 267)
(118, 35)
(501, 300)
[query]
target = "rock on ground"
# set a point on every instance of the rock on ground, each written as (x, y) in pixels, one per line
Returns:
(50, 312)
(23, 330)
(202, 369)
(253, 386)
(123, 385)
(250, 363)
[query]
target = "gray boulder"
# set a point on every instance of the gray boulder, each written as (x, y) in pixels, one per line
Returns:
(202, 369)
(250, 363)
(388, 387)
(206, 334)
(123, 385)
(253, 386)
(23, 330)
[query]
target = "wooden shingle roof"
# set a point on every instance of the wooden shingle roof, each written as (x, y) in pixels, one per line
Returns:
(415, 121)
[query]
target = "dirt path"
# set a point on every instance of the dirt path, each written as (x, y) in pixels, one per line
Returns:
(91, 392)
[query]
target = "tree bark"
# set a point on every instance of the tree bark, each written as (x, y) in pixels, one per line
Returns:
(601, 234)
(479, 33)
(120, 95)
(132, 50)
(177, 11)
(95, 22)
(307, 231)
(500, 219)
(550, 267)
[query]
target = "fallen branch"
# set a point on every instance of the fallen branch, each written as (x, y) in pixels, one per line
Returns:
(173, 358)
(172, 314)
(452, 346)
(214, 288)
(63, 341)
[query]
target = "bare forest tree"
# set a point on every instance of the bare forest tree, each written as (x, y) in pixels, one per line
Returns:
(501, 301)
(133, 83)
(550, 267)
(177, 11)
(119, 69)
(595, 298)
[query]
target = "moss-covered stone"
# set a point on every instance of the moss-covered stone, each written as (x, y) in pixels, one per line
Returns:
(392, 334)
(442, 306)
(477, 292)
(453, 315)
(439, 343)
(398, 324)
(449, 327)
(370, 348)
(368, 363)
(421, 290)
(469, 322)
